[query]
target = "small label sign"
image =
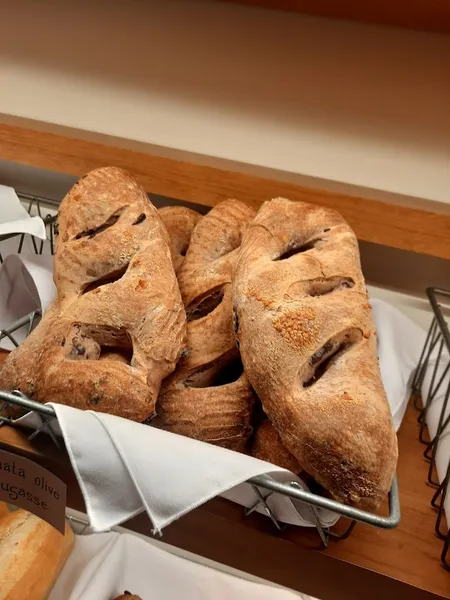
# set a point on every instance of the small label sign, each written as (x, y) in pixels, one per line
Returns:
(28, 485)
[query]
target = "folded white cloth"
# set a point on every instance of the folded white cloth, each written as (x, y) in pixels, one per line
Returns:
(400, 343)
(433, 416)
(26, 284)
(124, 468)
(103, 566)
(15, 219)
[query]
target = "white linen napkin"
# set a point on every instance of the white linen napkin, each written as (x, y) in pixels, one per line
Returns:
(26, 284)
(400, 343)
(15, 219)
(433, 415)
(103, 566)
(124, 468)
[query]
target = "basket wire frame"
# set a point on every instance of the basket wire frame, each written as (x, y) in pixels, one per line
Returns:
(435, 359)
(264, 486)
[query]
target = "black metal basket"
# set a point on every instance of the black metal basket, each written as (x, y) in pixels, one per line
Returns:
(435, 363)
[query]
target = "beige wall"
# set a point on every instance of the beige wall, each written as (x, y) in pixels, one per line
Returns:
(344, 102)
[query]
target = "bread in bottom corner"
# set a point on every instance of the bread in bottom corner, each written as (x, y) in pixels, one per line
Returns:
(32, 554)
(4, 510)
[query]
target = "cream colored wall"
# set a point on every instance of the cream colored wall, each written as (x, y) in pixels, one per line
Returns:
(344, 102)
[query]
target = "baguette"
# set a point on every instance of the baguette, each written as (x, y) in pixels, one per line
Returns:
(209, 397)
(118, 326)
(180, 223)
(267, 445)
(308, 344)
(21, 367)
(32, 554)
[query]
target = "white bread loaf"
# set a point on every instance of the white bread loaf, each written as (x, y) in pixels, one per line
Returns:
(32, 554)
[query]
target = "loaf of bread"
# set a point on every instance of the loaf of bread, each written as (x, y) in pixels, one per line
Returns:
(32, 554)
(3, 355)
(209, 397)
(21, 367)
(4, 510)
(308, 344)
(118, 325)
(267, 445)
(180, 222)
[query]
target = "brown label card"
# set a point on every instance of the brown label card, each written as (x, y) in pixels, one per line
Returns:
(28, 485)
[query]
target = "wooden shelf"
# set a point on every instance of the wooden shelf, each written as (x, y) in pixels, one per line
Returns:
(430, 15)
(418, 227)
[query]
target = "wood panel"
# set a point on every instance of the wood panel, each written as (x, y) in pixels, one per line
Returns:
(372, 563)
(75, 153)
(431, 15)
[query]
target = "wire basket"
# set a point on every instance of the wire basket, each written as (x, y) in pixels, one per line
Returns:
(36, 204)
(263, 486)
(435, 363)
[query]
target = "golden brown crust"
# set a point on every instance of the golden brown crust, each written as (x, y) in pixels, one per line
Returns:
(32, 555)
(180, 223)
(216, 412)
(208, 397)
(117, 296)
(20, 369)
(4, 510)
(267, 445)
(308, 345)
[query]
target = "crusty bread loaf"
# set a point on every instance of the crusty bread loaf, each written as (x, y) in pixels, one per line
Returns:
(197, 403)
(180, 222)
(267, 445)
(119, 325)
(308, 345)
(4, 510)
(3, 355)
(209, 397)
(32, 554)
(20, 368)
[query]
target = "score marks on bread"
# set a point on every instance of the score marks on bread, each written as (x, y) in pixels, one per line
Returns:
(28, 485)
